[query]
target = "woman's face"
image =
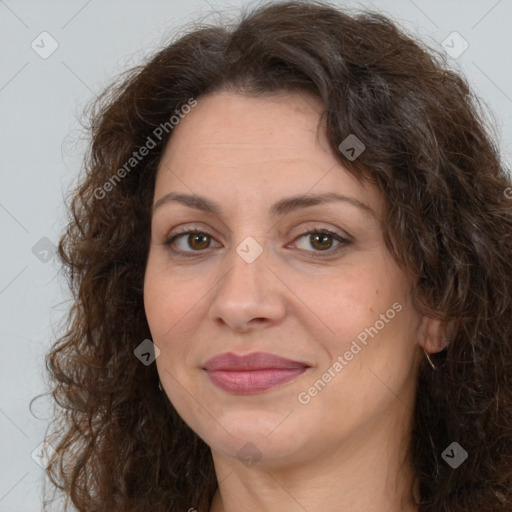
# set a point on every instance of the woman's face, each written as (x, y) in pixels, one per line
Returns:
(254, 178)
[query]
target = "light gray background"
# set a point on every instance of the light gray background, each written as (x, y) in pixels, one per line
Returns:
(40, 104)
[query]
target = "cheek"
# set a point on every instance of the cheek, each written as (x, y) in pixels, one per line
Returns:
(169, 309)
(166, 303)
(353, 298)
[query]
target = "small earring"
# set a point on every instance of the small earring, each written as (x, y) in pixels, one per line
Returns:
(160, 386)
(429, 360)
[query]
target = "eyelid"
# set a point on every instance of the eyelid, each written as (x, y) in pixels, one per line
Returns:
(343, 242)
(170, 239)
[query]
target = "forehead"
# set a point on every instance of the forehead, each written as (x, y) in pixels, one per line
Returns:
(236, 124)
(265, 143)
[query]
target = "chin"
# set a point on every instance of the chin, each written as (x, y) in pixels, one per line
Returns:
(265, 439)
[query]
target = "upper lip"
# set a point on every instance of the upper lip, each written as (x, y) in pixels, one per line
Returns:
(254, 361)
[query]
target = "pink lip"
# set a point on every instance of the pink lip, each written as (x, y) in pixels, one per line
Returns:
(252, 373)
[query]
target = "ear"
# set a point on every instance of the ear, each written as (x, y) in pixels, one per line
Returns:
(433, 335)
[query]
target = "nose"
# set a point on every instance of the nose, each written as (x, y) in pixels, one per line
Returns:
(247, 295)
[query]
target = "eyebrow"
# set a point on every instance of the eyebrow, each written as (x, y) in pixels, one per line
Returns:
(281, 208)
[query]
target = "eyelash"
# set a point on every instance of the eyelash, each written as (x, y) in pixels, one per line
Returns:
(343, 242)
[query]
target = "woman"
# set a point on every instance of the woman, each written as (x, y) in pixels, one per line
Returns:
(291, 264)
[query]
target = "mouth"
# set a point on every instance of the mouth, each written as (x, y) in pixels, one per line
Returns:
(252, 373)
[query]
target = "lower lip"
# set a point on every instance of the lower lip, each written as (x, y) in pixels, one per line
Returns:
(254, 381)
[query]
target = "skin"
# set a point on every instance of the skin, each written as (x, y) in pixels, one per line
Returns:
(347, 448)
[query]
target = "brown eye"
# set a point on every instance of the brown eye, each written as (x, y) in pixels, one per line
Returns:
(198, 241)
(322, 240)
(190, 241)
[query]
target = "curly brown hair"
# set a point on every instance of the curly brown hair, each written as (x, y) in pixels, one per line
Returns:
(120, 444)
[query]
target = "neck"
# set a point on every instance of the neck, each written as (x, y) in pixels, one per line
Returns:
(370, 473)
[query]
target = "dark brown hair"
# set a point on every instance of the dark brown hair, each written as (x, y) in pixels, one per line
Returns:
(120, 444)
